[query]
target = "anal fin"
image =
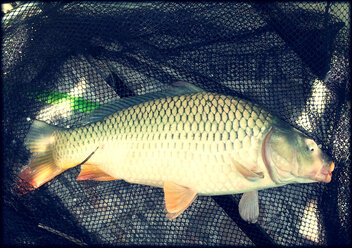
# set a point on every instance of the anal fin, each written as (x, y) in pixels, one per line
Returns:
(177, 199)
(93, 172)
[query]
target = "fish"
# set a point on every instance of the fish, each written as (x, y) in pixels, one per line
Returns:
(185, 140)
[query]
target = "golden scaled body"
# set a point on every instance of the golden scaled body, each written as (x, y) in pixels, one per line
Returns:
(193, 140)
(190, 142)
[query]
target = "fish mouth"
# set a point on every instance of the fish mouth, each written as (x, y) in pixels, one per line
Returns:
(325, 173)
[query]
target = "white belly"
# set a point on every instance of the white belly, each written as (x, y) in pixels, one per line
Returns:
(202, 166)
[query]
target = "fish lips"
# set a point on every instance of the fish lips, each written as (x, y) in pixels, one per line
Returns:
(325, 173)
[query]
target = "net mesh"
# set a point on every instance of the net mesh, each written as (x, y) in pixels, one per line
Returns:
(60, 61)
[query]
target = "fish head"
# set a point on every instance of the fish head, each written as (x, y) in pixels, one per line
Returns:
(292, 157)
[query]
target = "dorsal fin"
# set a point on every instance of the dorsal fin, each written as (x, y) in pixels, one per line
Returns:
(175, 89)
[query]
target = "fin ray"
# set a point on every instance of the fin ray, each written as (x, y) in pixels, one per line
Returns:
(93, 172)
(249, 207)
(39, 136)
(177, 199)
(42, 167)
(249, 174)
(40, 170)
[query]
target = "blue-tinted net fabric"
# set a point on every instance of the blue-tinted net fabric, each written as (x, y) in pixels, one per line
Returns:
(291, 58)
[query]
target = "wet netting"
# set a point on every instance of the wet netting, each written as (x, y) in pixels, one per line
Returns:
(61, 61)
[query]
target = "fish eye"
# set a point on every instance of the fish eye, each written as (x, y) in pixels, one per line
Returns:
(310, 145)
(310, 148)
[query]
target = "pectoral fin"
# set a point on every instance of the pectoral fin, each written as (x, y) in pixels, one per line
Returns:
(249, 206)
(93, 172)
(250, 175)
(177, 199)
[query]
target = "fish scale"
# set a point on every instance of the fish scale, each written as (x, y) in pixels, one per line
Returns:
(197, 143)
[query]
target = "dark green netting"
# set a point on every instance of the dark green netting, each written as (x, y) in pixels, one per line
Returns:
(61, 60)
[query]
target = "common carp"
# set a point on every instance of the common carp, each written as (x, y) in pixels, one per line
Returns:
(185, 140)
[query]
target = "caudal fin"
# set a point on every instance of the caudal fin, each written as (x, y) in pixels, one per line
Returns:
(42, 168)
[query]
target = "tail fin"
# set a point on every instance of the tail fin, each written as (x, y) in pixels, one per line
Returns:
(42, 168)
